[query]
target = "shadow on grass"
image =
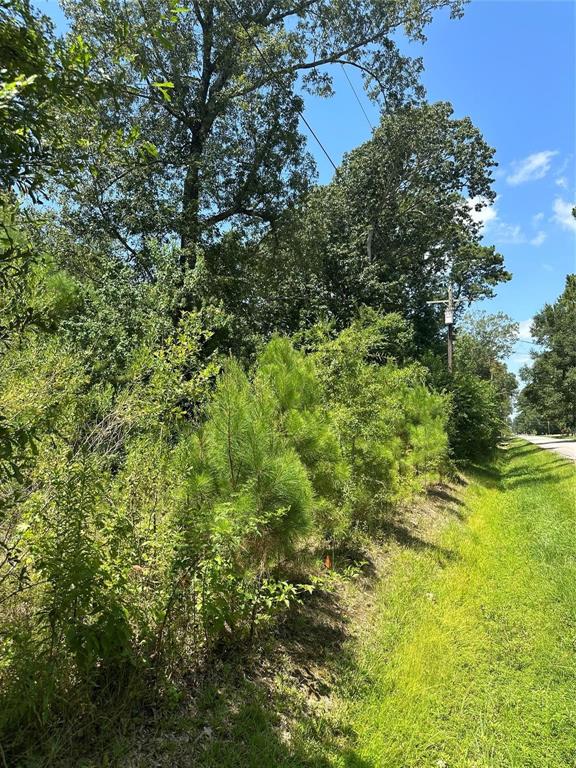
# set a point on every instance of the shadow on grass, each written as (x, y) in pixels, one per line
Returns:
(546, 460)
(403, 536)
(441, 494)
(550, 473)
(496, 475)
(546, 467)
(522, 449)
(451, 503)
(487, 475)
(250, 731)
(268, 708)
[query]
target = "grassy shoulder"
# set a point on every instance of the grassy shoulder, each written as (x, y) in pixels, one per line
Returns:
(471, 659)
(456, 648)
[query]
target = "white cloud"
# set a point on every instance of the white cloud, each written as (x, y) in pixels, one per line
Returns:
(563, 214)
(565, 172)
(540, 235)
(484, 216)
(547, 267)
(501, 232)
(507, 234)
(531, 168)
(538, 239)
(524, 329)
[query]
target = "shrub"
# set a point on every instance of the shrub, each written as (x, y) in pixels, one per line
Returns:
(244, 501)
(309, 426)
(476, 422)
(392, 429)
(164, 514)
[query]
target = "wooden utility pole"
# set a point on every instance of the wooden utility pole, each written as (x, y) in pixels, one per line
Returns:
(450, 303)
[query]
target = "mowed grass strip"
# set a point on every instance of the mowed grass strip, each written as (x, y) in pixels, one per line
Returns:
(471, 659)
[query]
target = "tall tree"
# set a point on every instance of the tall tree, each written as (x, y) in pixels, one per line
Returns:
(483, 344)
(548, 399)
(485, 339)
(391, 231)
(200, 127)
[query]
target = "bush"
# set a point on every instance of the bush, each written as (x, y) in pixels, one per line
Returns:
(244, 501)
(476, 423)
(391, 427)
(309, 427)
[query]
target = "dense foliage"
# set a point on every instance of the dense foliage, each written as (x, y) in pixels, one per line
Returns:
(138, 537)
(547, 402)
(482, 388)
(213, 372)
(388, 232)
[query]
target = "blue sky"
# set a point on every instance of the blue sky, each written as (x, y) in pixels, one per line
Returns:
(511, 66)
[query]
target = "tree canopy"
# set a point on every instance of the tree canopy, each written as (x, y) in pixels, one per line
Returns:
(547, 401)
(391, 231)
(200, 124)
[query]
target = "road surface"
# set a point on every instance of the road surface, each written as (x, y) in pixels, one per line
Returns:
(564, 447)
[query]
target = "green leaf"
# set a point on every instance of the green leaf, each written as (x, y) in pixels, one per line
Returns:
(150, 148)
(164, 88)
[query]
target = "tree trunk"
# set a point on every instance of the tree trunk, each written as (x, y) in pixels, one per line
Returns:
(190, 225)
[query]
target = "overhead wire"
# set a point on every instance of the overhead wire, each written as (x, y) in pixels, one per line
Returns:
(357, 97)
(279, 81)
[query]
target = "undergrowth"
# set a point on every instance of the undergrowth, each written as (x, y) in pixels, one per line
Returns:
(159, 525)
(453, 649)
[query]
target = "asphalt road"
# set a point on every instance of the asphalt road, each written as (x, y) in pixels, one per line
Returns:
(565, 448)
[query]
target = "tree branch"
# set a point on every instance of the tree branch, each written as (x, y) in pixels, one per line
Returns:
(335, 56)
(236, 210)
(365, 69)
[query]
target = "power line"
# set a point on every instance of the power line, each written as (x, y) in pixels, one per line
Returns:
(357, 97)
(278, 81)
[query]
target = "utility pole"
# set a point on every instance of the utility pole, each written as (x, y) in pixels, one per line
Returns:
(450, 303)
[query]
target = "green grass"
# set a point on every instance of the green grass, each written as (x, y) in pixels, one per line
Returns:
(472, 660)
